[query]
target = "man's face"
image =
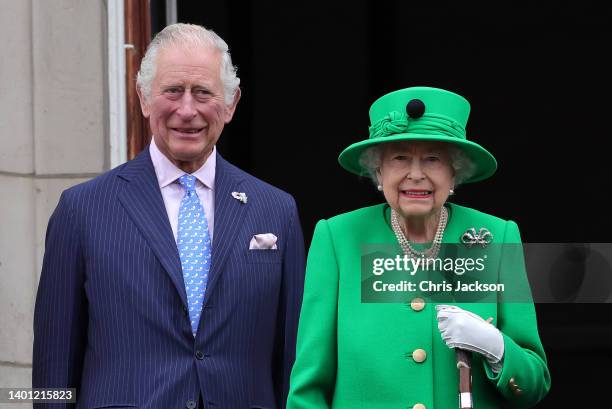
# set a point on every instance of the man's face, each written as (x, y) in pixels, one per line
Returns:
(186, 109)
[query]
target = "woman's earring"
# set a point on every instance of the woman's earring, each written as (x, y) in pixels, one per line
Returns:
(379, 187)
(451, 192)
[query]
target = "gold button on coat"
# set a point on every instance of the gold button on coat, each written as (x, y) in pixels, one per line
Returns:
(419, 355)
(417, 304)
(515, 388)
(419, 406)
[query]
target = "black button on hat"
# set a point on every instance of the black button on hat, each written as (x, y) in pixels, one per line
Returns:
(415, 108)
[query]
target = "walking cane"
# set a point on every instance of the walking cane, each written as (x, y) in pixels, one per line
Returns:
(464, 364)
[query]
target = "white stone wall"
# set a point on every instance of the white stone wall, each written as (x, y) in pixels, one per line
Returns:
(53, 116)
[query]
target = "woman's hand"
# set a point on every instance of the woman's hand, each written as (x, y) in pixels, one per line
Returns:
(462, 329)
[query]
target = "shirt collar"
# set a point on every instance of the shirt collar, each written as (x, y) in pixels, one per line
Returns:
(167, 172)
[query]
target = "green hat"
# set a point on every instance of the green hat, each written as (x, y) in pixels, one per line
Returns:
(421, 114)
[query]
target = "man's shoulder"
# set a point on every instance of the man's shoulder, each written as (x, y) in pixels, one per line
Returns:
(138, 169)
(97, 183)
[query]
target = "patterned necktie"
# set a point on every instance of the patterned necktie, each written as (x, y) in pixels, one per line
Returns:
(193, 243)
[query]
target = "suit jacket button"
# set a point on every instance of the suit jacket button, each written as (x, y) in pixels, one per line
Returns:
(419, 355)
(417, 304)
(199, 355)
(191, 404)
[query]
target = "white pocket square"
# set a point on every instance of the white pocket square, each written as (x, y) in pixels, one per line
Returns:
(264, 241)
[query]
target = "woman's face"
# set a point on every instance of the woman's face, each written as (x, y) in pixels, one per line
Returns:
(416, 177)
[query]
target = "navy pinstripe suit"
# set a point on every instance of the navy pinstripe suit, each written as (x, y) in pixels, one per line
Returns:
(110, 315)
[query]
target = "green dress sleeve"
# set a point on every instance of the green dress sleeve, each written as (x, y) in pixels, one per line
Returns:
(314, 371)
(524, 379)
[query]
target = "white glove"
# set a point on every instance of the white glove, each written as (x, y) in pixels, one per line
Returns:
(462, 329)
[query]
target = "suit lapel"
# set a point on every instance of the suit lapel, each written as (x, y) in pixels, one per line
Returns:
(143, 202)
(229, 214)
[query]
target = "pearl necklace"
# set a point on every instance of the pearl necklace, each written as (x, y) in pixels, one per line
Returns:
(431, 252)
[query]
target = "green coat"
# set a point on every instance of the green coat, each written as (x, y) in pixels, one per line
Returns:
(354, 355)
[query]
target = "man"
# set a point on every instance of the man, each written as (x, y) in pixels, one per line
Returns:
(134, 309)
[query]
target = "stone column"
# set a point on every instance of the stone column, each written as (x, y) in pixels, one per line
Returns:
(53, 120)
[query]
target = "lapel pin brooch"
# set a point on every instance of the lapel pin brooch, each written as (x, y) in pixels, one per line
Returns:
(240, 196)
(482, 238)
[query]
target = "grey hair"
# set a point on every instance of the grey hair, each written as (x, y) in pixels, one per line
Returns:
(187, 35)
(371, 160)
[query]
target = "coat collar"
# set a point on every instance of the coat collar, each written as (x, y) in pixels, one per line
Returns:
(141, 197)
(229, 216)
(143, 201)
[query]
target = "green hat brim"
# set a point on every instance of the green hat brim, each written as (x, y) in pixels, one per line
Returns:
(484, 162)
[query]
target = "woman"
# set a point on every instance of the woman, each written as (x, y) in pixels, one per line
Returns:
(353, 354)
